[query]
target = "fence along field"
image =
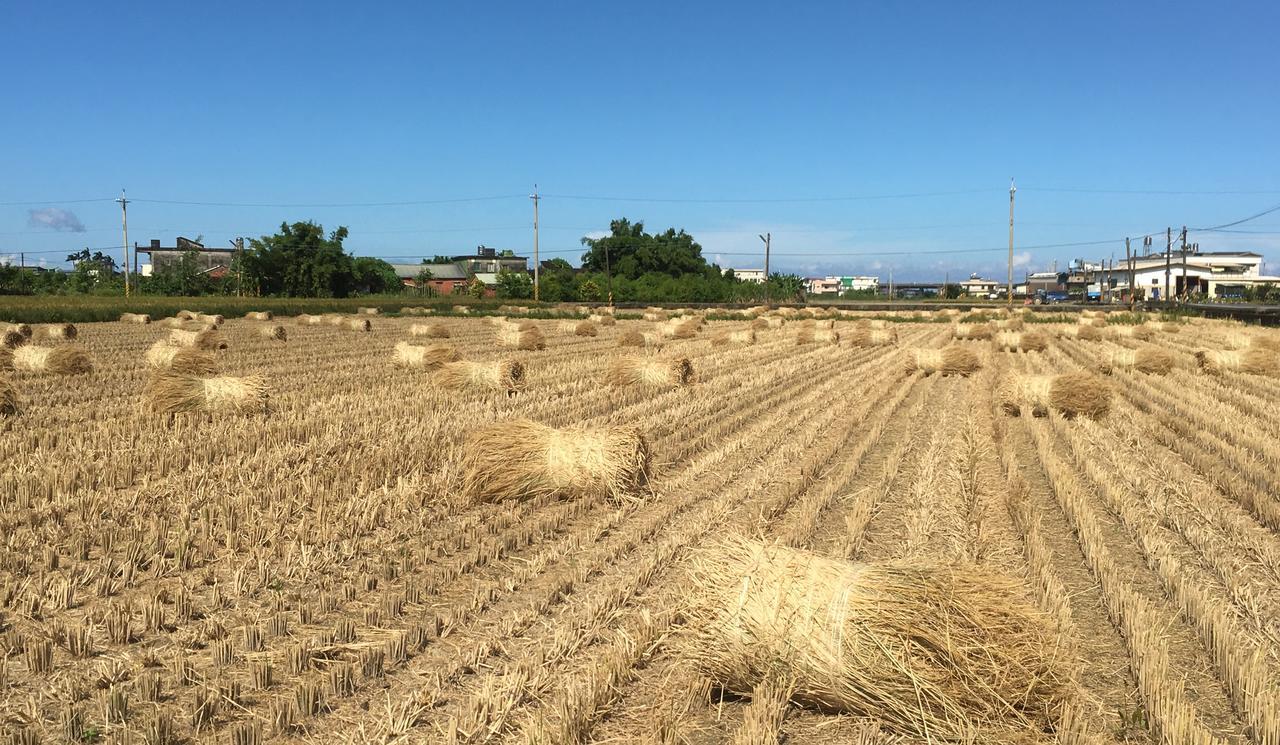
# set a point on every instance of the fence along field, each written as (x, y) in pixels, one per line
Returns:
(363, 528)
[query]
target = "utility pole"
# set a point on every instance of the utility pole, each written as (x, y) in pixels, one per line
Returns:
(1012, 191)
(1168, 259)
(767, 238)
(238, 245)
(890, 285)
(124, 221)
(608, 273)
(1185, 290)
(534, 196)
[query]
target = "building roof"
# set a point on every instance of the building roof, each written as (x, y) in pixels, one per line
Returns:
(438, 271)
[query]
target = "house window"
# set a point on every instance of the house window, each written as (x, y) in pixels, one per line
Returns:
(1155, 281)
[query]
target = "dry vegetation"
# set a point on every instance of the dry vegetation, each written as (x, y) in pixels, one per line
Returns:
(542, 532)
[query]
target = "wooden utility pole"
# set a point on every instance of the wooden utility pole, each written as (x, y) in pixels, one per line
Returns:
(1185, 290)
(534, 196)
(1012, 191)
(1168, 260)
(124, 221)
(768, 239)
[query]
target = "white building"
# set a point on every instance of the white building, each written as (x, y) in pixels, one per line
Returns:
(749, 275)
(976, 285)
(822, 285)
(1214, 273)
(842, 284)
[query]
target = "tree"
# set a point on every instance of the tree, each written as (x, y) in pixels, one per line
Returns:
(423, 277)
(375, 276)
(632, 252)
(438, 259)
(785, 287)
(181, 277)
(514, 285)
(590, 292)
(951, 291)
(476, 288)
(300, 262)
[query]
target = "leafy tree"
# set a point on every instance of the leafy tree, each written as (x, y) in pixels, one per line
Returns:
(423, 276)
(375, 276)
(438, 259)
(514, 285)
(785, 287)
(590, 292)
(476, 288)
(300, 261)
(182, 277)
(633, 252)
(951, 291)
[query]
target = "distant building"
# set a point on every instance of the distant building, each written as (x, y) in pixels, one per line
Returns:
(1212, 273)
(491, 261)
(859, 283)
(976, 285)
(838, 285)
(749, 275)
(453, 278)
(214, 261)
(822, 285)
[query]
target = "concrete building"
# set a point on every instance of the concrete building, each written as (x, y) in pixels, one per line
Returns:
(978, 286)
(822, 285)
(215, 261)
(749, 275)
(1212, 274)
(839, 285)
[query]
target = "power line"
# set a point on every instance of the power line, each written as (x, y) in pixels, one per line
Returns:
(1166, 192)
(774, 200)
(1241, 220)
(56, 201)
(408, 203)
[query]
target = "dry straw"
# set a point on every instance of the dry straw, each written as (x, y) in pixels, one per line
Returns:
(1071, 394)
(20, 329)
(214, 320)
(54, 360)
(602, 319)
(189, 360)
(863, 336)
(430, 357)
(430, 330)
(522, 459)
(415, 310)
(135, 318)
(523, 335)
(809, 335)
(634, 338)
(363, 325)
(1021, 341)
(971, 331)
(368, 311)
(307, 319)
(774, 322)
(652, 315)
(10, 339)
(1131, 332)
(335, 319)
(1081, 332)
(259, 315)
(506, 376)
(948, 361)
(1250, 361)
(939, 652)
(742, 336)
(650, 372)
(8, 398)
(1010, 324)
(198, 339)
(274, 332)
(1149, 360)
(586, 328)
(680, 328)
(186, 315)
(1252, 340)
(1095, 322)
(173, 392)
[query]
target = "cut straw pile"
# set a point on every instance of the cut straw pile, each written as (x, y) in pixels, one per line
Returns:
(1250, 362)
(173, 392)
(864, 336)
(430, 330)
(189, 360)
(363, 325)
(1009, 324)
(602, 319)
(1131, 332)
(505, 376)
(52, 360)
(650, 372)
(1021, 341)
(10, 339)
(743, 336)
(522, 460)
(949, 361)
(8, 398)
(430, 357)
(579, 328)
(1083, 333)
(971, 331)
(1149, 360)
(1255, 340)
(1071, 394)
(21, 329)
(275, 332)
(197, 339)
(258, 315)
(809, 335)
(680, 328)
(634, 338)
(368, 311)
(135, 318)
(524, 335)
(307, 319)
(931, 651)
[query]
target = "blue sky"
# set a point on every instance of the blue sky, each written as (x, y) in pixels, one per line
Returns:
(726, 119)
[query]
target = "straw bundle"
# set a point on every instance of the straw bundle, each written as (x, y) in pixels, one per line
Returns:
(1071, 395)
(416, 310)
(412, 355)
(1093, 314)
(522, 459)
(948, 361)
(430, 330)
(824, 324)
(59, 331)
(135, 318)
(198, 339)
(258, 315)
(1258, 340)
(363, 325)
(462, 310)
(189, 360)
(774, 322)
(1130, 332)
(368, 311)
(1020, 341)
(307, 319)
(817, 336)
(679, 329)
(650, 372)
(650, 315)
(334, 319)
(1083, 333)
(11, 339)
(963, 331)
(759, 324)
(206, 318)
(877, 323)
(744, 336)
(1149, 360)
(505, 375)
(586, 328)
(606, 319)
(186, 315)
(21, 329)
(1168, 327)
(55, 360)
(8, 398)
(1010, 324)
(174, 392)
(605, 310)
(863, 336)
(274, 332)
(633, 338)
(1250, 361)
(524, 336)
(1095, 322)
(929, 650)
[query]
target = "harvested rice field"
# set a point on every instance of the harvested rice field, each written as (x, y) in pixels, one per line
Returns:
(373, 529)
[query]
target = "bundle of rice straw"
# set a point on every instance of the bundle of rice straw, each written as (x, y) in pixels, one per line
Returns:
(259, 315)
(933, 651)
(1169, 327)
(368, 311)
(1149, 360)
(430, 330)
(1095, 322)
(1250, 361)
(863, 336)
(602, 319)
(214, 320)
(10, 339)
(8, 398)
(59, 331)
(650, 315)
(877, 323)
(788, 312)
(950, 312)
(1071, 394)
(774, 322)
(824, 324)
(964, 331)
(759, 324)
(198, 339)
(506, 376)
(679, 329)
(604, 310)
(634, 338)
(522, 459)
(1130, 332)
(135, 318)
(360, 324)
(1093, 314)
(416, 310)
(1236, 339)
(55, 360)
(742, 336)
(951, 360)
(275, 332)
(186, 315)
(649, 372)
(462, 310)
(431, 357)
(1083, 333)
(189, 360)
(335, 319)
(524, 336)
(173, 392)
(586, 328)
(1010, 324)
(308, 319)
(22, 329)
(1021, 341)
(817, 336)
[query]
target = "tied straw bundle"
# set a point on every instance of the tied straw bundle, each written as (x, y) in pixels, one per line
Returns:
(430, 357)
(680, 328)
(602, 319)
(1021, 341)
(274, 332)
(259, 315)
(1148, 360)
(363, 325)
(579, 328)
(1131, 332)
(1071, 394)
(52, 360)
(864, 336)
(743, 336)
(634, 338)
(650, 372)
(8, 398)
(817, 336)
(21, 329)
(307, 319)
(430, 330)
(524, 335)
(135, 318)
(933, 651)
(208, 339)
(173, 392)
(10, 339)
(505, 376)
(948, 361)
(1262, 362)
(1083, 333)
(971, 331)
(524, 460)
(188, 360)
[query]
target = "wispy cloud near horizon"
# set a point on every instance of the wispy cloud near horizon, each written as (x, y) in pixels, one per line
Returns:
(55, 218)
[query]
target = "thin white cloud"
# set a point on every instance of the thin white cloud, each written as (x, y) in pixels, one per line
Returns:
(55, 218)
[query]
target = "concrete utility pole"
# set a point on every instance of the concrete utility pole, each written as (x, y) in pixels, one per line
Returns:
(238, 245)
(768, 239)
(1012, 191)
(1168, 260)
(124, 220)
(534, 196)
(1186, 292)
